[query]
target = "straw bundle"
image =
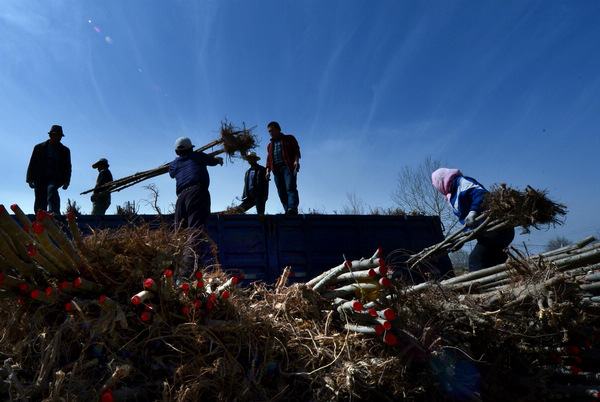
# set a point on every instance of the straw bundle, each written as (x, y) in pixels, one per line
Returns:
(125, 326)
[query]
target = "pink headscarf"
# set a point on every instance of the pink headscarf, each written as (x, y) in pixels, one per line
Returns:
(442, 180)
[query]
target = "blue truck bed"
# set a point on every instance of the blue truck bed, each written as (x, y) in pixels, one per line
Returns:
(261, 247)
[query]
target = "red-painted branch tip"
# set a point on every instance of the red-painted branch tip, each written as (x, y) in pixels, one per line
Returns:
(107, 396)
(385, 282)
(37, 227)
(41, 214)
(390, 339)
(389, 314)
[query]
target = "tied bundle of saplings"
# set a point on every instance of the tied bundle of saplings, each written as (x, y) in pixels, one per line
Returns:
(235, 142)
(504, 208)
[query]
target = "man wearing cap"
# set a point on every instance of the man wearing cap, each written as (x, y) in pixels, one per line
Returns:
(49, 169)
(101, 201)
(192, 208)
(256, 186)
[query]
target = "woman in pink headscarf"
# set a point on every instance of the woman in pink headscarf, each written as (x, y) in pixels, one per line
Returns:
(466, 197)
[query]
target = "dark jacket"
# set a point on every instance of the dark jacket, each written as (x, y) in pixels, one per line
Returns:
(104, 176)
(37, 169)
(189, 170)
(260, 184)
(289, 149)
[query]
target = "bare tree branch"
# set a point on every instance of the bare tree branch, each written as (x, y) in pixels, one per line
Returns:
(414, 192)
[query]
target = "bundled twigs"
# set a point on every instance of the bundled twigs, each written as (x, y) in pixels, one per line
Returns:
(504, 208)
(577, 255)
(353, 283)
(131, 328)
(165, 299)
(80, 321)
(233, 140)
(39, 262)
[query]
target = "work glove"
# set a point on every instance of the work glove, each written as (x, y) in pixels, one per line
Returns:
(219, 159)
(31, 184)
(470, 219)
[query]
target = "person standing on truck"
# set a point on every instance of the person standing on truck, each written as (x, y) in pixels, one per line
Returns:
(101, 201)
(466, 196)
(283, 159)
(190, 172)
(49, 169)
(256, 186)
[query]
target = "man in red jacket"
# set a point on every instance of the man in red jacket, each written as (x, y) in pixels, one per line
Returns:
(283, 159)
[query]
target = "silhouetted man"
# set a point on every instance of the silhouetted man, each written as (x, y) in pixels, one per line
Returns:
(49, 169)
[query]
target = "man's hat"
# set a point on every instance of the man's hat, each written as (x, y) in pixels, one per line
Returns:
(252, 154)
(56, 130)
(101, 161)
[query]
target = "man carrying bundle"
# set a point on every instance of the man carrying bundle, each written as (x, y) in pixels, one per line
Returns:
(466, 197)
(190, 172)
(101, 200)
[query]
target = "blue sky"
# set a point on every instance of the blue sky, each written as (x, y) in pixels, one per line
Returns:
(506, 91)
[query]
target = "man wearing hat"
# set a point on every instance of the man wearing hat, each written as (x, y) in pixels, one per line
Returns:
(190, 172)
(49, 169)
(101, 201)
(192, 209)
(256, 186)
